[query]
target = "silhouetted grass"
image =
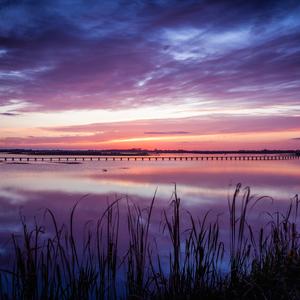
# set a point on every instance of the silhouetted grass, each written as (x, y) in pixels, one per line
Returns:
(256, 263)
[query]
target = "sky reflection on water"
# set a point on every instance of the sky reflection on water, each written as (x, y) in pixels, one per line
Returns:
(30, 188)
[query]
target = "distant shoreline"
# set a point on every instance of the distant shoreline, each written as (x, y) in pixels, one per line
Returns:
(140, 152)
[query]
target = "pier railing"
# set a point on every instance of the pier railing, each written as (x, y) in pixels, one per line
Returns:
(146, 158)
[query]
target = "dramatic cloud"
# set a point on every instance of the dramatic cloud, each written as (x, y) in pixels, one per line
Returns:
(199, 59)
(105, 54)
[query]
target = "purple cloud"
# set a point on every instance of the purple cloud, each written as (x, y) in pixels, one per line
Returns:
(56, 55)
(195, 125)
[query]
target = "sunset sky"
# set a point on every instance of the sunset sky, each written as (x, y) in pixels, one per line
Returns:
(150, 74)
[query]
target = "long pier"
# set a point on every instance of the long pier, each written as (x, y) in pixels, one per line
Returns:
(63, 158)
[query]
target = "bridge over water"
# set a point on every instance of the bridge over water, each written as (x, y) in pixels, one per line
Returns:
(64, 158)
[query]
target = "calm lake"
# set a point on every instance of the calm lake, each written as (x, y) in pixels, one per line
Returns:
(28, 188)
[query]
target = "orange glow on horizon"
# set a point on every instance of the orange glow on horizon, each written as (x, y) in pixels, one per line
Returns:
(218, 141)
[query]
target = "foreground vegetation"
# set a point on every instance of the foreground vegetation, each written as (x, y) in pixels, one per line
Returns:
(256, 263)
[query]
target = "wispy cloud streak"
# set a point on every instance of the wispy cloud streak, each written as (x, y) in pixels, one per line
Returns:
(166, 132)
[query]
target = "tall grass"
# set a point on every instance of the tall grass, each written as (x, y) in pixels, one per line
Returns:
(258, 262)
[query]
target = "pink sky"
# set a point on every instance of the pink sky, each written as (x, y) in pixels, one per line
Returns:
(168, 75)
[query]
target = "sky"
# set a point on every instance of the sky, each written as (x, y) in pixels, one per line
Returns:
(203, 75)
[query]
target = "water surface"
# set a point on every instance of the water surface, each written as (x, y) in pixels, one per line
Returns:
(28, 188)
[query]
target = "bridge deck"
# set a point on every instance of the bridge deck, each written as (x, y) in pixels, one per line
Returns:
(143, 158)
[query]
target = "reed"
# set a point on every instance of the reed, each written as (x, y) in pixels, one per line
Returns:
(256, 263)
